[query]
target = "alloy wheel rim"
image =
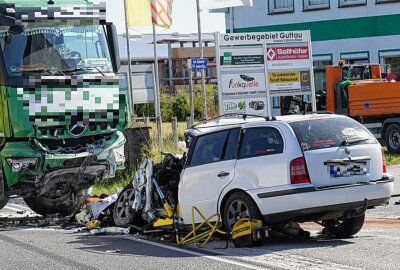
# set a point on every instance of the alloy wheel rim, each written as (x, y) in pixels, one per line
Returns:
(124, 204)
(394, 139)
(237, 210)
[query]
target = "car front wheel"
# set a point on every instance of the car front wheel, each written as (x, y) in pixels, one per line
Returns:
(347, 227)
(123, 213)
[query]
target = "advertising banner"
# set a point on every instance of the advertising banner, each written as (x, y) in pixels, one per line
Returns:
(214, 4)
(235, 59)
(243, 84)
(281, 37)
(255, 106)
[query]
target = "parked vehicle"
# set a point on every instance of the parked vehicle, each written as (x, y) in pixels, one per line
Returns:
(360, 92)
(62, 111)
(320, 167)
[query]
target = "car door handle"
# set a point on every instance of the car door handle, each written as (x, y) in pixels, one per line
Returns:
(223, 174)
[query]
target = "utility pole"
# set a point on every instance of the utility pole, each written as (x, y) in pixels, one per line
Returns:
(129, 75)
(203, 81)
(157, 92)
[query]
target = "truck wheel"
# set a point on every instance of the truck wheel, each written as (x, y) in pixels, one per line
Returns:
(347, 227)
(392, 138)
(123, 213)
(238, 205)
(49, 204)
(3, 203)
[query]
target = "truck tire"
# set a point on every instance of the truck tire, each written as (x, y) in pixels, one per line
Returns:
(392, 138)
(123, 213)
(65, 205)
(3, 203)
(348, 227)
(238, 205)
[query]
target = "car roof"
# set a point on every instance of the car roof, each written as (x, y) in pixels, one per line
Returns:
(232, 121)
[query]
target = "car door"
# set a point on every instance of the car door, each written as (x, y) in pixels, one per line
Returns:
(261, 159)
(209, 168)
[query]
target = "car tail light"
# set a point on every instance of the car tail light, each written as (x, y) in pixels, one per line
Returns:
(298, 171)
(384, 162)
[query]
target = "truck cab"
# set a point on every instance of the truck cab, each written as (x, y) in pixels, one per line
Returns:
(62, 110)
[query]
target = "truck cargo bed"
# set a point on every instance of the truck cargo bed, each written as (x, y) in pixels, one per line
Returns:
(369, 99)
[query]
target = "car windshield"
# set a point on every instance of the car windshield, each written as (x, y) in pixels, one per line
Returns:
(56, 51)
(330, 132)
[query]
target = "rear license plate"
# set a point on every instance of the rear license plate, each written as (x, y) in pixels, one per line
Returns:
(347, 168)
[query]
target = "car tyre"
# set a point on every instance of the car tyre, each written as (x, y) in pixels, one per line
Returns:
(64, 204)
(238, 205)
(392, 138)
(123, 213)
(347, 227)
(3, 202)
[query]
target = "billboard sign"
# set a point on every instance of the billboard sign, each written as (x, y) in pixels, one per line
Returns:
(253, 68)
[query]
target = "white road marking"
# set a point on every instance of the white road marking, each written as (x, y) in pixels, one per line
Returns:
(194, 253)
(17, 207)
(7, 207)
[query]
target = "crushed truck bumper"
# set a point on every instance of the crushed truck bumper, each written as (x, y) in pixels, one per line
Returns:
(30, 163)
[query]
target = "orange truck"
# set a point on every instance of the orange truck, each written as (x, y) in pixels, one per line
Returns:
(360, 92)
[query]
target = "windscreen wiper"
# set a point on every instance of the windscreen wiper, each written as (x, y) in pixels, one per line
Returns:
(84, 68)
(354, 141)
(44, 69)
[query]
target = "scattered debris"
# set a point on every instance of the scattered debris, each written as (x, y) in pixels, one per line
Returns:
(110, 231)
(113, 251)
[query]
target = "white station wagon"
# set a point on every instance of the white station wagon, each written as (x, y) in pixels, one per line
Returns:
(319, 167)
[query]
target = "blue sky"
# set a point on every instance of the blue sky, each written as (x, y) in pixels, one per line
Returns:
(183, 15)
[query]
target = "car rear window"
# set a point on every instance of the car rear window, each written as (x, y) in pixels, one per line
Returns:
(330, 132)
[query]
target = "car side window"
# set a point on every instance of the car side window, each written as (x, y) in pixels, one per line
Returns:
(260, 142)
(209, 148)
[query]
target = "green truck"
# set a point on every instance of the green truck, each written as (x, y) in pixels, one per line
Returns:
(62, 111)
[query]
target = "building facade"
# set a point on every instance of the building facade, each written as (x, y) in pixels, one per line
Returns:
(357, 31)
(174, 50)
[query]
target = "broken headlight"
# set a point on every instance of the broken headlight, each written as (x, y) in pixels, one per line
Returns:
(18, 164)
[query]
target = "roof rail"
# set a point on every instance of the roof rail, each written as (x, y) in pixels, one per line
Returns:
(242, 115)
(319, 112)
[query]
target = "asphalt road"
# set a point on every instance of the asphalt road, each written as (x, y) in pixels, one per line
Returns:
(375, 247)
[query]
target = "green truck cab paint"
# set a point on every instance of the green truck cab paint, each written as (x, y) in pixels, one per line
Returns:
(62, 110)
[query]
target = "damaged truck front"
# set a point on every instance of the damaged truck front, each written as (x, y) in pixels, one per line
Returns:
(61, 108)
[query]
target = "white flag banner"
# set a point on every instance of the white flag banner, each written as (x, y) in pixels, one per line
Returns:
(213, 4)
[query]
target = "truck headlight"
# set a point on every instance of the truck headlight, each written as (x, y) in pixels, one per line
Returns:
(17, 164)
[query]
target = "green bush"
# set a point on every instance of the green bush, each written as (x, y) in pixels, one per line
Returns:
(178, 104)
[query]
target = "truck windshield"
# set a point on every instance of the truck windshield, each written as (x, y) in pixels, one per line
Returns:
(56, 51)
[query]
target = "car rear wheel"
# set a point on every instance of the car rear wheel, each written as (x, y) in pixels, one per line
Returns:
(123, 213)
(347, 227)
(238, 205)
(392, 138)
